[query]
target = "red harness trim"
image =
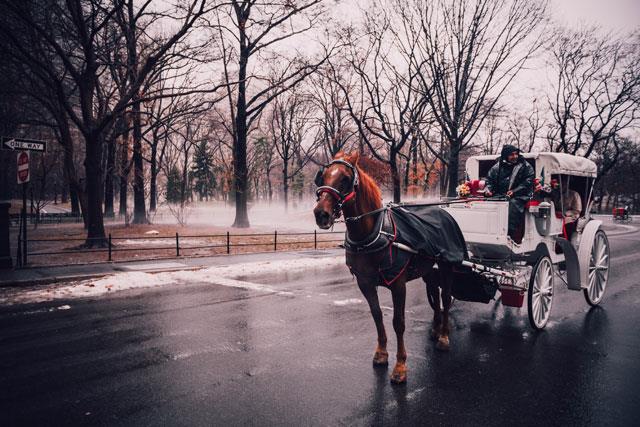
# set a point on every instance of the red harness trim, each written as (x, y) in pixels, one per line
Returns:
(331, 191)
(350, 196)
(337, 195)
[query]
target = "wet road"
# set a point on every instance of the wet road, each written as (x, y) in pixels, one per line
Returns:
(216, 355)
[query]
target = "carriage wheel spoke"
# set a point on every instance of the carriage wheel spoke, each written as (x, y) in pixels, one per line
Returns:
(541, 293)
(598, 269)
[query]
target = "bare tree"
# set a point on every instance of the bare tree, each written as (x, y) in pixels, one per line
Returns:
(389, 109)
(469, 52)
(73, 33)
(334, 127)
(27, 56)
(289, 126)
(162, 118)
(257, 27)
(596, 93)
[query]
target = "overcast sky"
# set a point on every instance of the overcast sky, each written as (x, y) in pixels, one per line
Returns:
(612, 15)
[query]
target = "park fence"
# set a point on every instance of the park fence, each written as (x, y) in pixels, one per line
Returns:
(62, 251)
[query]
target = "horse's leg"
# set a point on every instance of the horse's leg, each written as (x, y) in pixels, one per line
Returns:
(445, 285)
(398, 293)
(381, 356)
(433, 290)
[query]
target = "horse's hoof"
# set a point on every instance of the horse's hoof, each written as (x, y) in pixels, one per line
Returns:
(380, 358)
(443, 343)
(434, 335)
(399, 375)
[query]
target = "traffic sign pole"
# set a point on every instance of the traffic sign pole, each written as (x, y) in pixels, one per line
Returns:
(24, 224)
(23, 146)
(23, 175)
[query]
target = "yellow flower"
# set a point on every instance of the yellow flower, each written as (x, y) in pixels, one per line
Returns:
(463, 190)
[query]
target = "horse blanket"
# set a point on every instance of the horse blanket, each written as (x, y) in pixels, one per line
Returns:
(429, 230)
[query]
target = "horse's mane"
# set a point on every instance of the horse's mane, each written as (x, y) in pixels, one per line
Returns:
(368, 193)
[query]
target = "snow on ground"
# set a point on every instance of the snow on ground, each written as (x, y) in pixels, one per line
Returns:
(218, 275)
(164, 241)
(349, 301)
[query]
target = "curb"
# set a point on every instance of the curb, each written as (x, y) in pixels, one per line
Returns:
(71, 277)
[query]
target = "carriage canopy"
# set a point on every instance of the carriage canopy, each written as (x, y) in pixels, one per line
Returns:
(553, 163)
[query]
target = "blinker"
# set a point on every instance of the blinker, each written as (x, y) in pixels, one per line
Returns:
(318, 179)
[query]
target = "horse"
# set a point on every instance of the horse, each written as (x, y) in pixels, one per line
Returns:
(345, 189)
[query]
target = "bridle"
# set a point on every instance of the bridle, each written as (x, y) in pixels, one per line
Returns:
(334, 192)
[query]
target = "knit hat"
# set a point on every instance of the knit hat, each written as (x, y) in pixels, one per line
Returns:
(508, 149)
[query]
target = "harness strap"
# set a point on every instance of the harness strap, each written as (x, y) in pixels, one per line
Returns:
(514, 173)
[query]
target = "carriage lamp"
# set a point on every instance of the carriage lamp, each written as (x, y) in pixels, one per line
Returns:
(544, 210)
(542, 217)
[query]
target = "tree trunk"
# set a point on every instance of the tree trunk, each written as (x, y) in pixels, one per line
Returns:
(124, 172)
(108, 182)
(153, 189)
(76, 190)
(452, 170)
(75, 203)
(139, 208)
(185, 176)
(285, 185)
(94, 190)
(240, 147)
(406, 174)
(395, 175)
(414, 154)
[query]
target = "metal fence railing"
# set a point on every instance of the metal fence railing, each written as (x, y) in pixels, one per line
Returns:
(46, 218)
(177, 245)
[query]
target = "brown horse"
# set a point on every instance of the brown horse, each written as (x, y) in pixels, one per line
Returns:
(344, 187)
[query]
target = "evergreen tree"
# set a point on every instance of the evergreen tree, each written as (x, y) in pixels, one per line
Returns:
(174, 185)
(202, 171)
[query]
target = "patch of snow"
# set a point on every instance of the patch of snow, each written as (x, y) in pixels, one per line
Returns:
(153, 232)
(349, 301)
(165, 241)
(218, 275)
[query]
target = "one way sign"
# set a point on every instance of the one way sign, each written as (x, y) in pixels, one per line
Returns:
(23, 144)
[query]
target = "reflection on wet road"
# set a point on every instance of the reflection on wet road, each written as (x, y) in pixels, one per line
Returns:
(203, 354)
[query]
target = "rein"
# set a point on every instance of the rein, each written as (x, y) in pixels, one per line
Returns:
(451, 202)
(344, 198)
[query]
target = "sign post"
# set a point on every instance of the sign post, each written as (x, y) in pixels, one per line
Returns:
(23, 146)
(23, 176)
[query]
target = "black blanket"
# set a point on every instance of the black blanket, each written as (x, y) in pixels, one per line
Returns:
(427, 229)
(430, 230)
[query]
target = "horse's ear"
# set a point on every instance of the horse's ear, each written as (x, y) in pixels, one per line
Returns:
(355, 156)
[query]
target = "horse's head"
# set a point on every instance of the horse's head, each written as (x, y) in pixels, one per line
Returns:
(337, 184)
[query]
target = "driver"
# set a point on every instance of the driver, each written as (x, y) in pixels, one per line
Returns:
(512, 177)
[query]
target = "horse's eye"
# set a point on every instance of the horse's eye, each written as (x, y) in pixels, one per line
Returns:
(345, 182)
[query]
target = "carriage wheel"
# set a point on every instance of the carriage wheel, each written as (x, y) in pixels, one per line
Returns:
(540, 293)
(598, 269)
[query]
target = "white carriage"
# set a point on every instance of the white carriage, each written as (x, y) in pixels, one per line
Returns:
(529, 269)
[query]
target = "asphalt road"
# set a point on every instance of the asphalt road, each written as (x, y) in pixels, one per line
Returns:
(215, 355)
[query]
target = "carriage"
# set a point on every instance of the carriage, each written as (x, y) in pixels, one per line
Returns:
(621, 215)
(462, 250)
(578, 256)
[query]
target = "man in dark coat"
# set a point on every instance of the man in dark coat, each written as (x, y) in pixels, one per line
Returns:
(512, 177)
